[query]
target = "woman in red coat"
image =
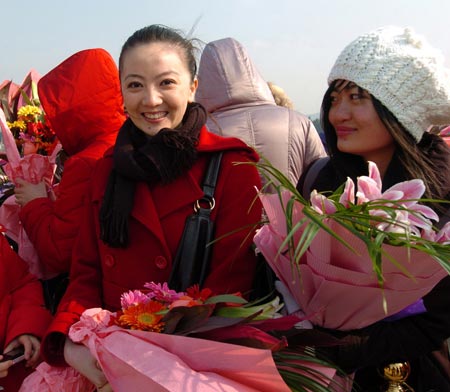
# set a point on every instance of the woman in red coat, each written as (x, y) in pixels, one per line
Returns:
(82, 101)
(23, 318)
(144, 189)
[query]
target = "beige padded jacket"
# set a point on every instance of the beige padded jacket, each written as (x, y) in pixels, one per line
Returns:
(240, 104)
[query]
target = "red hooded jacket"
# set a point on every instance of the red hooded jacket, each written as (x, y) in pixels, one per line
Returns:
(21, 308)
(83, 103)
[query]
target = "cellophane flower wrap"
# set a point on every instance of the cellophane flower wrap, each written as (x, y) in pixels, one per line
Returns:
(162, 340)
(350, 260)
(31, 147)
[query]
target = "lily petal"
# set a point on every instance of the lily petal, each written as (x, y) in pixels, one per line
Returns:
(348, 196)
(374, 173)
(367, 189)
(322, 204)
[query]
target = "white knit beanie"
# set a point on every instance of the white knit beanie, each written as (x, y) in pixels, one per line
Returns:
(401, 70)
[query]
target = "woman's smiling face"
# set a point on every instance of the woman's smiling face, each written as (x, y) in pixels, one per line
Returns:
(359, 129)
(156, 86)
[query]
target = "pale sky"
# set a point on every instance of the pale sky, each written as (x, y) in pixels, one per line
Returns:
(294, 43)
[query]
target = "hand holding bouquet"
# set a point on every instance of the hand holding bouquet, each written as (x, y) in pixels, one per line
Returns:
(162, 340)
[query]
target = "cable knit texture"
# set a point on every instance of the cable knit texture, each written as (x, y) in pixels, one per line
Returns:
(400, 69)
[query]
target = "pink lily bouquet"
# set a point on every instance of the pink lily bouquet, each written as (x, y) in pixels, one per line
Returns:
(162, 340)
(378, 251)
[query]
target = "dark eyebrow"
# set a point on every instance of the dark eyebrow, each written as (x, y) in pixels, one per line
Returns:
(161, 75)
(133, 76)
(347, 85)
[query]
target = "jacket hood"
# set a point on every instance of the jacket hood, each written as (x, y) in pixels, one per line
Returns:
(227, 76)
(82, 100)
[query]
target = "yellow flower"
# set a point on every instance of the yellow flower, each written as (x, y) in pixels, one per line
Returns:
(29, 112)
(143, 317)
(19, 124)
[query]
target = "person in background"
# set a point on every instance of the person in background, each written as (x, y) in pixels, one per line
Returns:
(145, 187)
(280, 96)
(240, 104)
(82, 101)
(385, 89)
(23, 318)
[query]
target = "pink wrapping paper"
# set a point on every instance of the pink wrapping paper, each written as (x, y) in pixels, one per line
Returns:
(56, 379)
(146, 361)
(32, 168)
(337, 288)
(32, 78)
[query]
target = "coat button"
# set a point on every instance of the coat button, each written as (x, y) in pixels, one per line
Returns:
(109, 260)
(160, 262)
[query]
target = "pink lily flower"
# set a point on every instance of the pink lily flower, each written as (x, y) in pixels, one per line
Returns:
(413, 189)
(443, 236)
(374, 174)
(368, 189)
(400, 225)
(322, 204)
(348, 196)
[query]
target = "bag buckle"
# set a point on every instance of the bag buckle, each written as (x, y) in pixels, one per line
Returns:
(209, 201)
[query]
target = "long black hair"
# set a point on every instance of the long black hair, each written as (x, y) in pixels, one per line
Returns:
(428, 160)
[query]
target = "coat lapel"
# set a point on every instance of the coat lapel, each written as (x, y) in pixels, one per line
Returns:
(152, 204)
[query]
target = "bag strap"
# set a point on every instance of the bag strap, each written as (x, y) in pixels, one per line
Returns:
(192, 260)
(312, 174)
(209, 182)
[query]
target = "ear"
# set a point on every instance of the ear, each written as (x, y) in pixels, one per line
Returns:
(193, 89)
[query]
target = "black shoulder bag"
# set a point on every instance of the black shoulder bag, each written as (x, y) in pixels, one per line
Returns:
(191, 263)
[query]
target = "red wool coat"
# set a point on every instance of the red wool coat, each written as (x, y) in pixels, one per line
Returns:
(82, 101)
(21, 308)
(100, 274)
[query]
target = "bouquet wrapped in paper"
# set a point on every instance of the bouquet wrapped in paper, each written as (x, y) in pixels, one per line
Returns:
(31, 147)
(352, 260)
(162, 340)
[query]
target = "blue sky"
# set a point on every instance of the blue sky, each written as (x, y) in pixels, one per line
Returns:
(293, 42)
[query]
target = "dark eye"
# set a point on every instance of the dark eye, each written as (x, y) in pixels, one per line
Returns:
(134, 85)
(333, 98)
(167, 82)
(356, 96)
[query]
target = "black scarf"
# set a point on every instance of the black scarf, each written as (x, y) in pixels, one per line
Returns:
(151, 159)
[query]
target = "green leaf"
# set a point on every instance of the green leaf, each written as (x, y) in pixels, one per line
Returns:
(181, 320)
(229, 298)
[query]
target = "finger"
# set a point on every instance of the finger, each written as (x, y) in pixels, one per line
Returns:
(35, 343)
(4, 367)
(11, 346)
(28, 347)
(34, 357)
(105, 388)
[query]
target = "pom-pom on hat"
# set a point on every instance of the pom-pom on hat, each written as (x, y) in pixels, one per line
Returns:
(400, 69)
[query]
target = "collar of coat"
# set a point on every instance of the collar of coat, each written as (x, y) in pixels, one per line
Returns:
(152, 205)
